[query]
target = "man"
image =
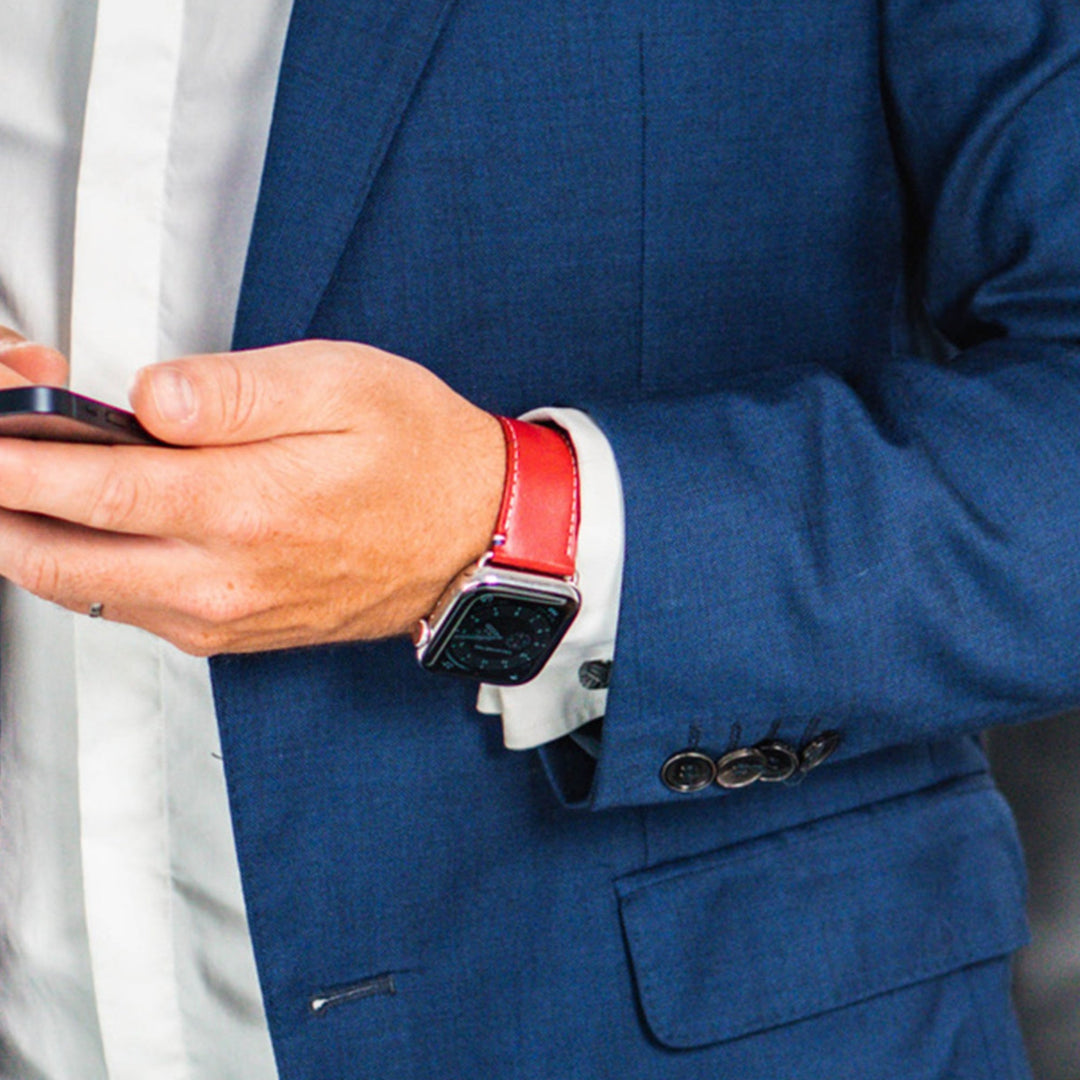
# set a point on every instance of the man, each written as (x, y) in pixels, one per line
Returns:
(812, 272)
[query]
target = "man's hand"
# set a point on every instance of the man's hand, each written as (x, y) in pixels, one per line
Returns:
(325, 492)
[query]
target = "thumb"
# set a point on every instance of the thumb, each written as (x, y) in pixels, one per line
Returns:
(29, 362)
(227, 398)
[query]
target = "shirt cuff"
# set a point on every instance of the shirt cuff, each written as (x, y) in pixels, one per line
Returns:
(556, 702)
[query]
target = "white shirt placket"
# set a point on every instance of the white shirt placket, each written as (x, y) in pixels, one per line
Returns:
(119, 221)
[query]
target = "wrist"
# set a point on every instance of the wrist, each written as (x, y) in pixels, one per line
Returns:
(501, 619)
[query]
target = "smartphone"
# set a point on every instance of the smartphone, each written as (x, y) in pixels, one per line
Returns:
(50, 412)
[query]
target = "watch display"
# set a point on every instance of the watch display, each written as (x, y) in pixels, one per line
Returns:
(499, 629)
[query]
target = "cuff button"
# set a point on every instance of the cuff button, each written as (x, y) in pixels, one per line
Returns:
(817, 751)
(595, 674)
(781, 762)
(688, 771)
(739, 768)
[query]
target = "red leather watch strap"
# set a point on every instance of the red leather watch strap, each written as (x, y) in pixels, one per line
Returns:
(538, 519)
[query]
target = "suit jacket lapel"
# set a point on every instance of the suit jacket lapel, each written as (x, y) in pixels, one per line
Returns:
(347, 74)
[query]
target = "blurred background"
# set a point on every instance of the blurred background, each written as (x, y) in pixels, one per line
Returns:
(1038, 768)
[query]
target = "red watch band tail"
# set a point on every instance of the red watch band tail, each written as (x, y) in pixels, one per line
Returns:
(538, 519)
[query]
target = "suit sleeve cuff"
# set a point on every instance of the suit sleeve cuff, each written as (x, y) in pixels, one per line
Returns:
(557, 702)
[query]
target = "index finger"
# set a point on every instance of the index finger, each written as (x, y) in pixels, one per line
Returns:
(142, 490)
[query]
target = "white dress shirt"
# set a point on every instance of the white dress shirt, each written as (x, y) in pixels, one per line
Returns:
(132, 134)
(127, 187)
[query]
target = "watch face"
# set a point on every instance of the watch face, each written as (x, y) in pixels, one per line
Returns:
(501, 635)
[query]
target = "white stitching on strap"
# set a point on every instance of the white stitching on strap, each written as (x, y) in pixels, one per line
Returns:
(571, 538)
(513, 450)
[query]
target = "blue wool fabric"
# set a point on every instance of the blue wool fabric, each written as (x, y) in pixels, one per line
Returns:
(814, 268)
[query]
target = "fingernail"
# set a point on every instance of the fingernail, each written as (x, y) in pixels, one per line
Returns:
(174, 396)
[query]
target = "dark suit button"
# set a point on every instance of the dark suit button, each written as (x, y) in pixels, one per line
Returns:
(781, 761)
(740, 767)
(819, 750)
(688, 770)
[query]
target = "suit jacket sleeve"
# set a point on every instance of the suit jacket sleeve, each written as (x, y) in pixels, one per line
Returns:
(893, 554)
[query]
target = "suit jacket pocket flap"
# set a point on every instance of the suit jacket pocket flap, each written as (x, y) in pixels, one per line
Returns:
(825, 915)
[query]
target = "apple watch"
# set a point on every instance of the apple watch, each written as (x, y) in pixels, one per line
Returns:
(500, 619)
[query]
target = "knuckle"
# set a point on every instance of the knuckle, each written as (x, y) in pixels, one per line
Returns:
(246, 525)
(258, 515)
(213, 606)
(40, 573)
(240, 396)
(116, 500)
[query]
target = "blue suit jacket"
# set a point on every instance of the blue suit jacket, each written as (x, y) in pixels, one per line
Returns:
(814, 266)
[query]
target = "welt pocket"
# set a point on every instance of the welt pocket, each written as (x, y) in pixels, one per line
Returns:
(825, 915)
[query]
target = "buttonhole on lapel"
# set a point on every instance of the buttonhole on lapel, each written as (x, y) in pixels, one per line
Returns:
(376, 986)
